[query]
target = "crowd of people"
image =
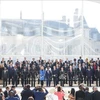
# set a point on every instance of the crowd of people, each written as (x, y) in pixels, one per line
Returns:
(41, 93)
(56, 71)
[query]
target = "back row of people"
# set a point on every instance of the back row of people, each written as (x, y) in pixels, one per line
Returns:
(59, 71)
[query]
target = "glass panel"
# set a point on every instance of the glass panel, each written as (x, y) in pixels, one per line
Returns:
(21, 28)
(62, 27)
(92, 31)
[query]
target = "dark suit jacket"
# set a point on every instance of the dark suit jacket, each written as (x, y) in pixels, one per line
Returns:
(80, 94)
(48, 75)
(96, 95)
(88, 96)
(6, 94)
(26, 93)
(89, 73)
(70, 74)
(39, 95)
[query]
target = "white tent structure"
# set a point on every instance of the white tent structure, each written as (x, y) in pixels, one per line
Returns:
(48, 36)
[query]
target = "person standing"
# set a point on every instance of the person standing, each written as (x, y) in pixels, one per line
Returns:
(60, 93)
(15, 76)
(5, 77)
(89, 76)
(96, 94)
(66, 72)
(80, 74)
(11, 96)
(62, 77)
(48, 76)
(71, 75)
(84, 72)
(10, 72)
(33, 74)
(87, 94)
(80, 94)
(42, 75)
(55, 76)
(24, 74)
(39, 94)
(6, 92)
(71, 96)
(97, 75)
(26, 93)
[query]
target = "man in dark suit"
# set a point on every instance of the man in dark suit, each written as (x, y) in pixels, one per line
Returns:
(89, 76)
(80, 95)
(40, 61)
(26, 93)
(96, 94)
(55, 76)
(84, 72)
(15, 76)
(17, 63)
(71, 75)
(80, 60)
(5, 76)
(6, 92)
(66, 68)
(24, 74)
(33, 62)
(48, 76)
(33, 74)
(87, 94)
(80, 74)
(97, 75)
(10, 72)
(10, 60)
(24, 62)
(62, 77)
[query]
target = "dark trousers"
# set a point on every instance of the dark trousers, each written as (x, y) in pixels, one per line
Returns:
(14, 81)
(10, 79)
(84, 79)
(48, 82)
(98, 81)
(38, 81)
(70, 81)
(80, 80)
(88, 81)
(54, 81)
(4, 82)
(62, 82)
(66, 80)
(28, 79)
(0, 73)
(33, 82)
(23, 81)
(42, 83)
(75, 79)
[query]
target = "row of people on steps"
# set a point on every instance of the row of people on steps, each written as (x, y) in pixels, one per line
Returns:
(62, 71)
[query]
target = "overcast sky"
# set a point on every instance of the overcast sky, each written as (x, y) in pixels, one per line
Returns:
(53, 10)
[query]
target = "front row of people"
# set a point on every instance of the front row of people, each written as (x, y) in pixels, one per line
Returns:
(41, 93)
